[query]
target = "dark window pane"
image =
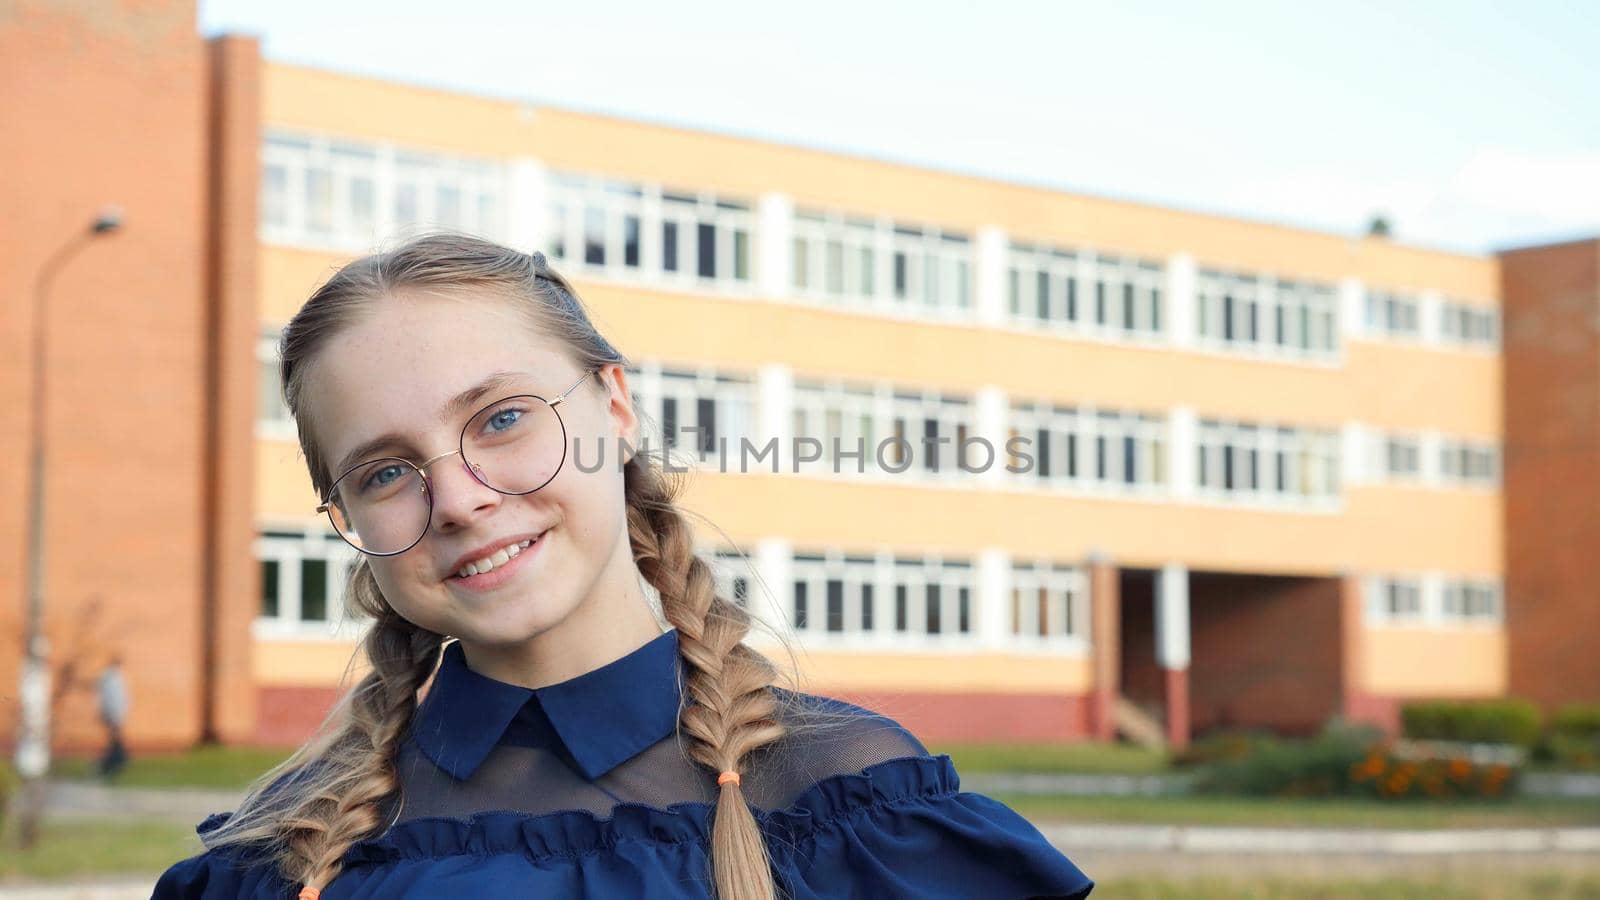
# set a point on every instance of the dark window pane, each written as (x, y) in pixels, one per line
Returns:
(1044, 295)
(1129, 450)
(269, 587)
(900, 623)
(314, 590)
(799, 604)
(835, 605)
(630, 241)
(1101, 457)
(706, 410)
(1227, 317)
(1155, 309)
(964, 611)
(866, 607)
(669, 246)
(594, 237)
(1072, 299)
(933, 609)
(1072, 456)
(707, 239)
(1127, 306)
(1044, 453)
(669, 421)
(900, 287)
(1099, 302)
(930, 432)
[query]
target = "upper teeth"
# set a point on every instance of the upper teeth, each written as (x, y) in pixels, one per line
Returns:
(500, 558)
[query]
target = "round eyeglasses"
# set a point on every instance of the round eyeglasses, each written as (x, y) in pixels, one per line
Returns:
(515, 445)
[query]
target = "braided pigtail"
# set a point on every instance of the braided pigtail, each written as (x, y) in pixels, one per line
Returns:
(734, 711)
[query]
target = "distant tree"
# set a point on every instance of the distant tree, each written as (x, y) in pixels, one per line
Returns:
(1378, 226)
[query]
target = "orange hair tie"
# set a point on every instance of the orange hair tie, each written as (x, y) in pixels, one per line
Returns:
(310, 893)
(725, 777)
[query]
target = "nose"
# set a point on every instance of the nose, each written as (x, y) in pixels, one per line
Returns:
(458, 496)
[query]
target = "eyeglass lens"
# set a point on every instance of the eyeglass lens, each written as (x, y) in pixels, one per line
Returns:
(514, 446)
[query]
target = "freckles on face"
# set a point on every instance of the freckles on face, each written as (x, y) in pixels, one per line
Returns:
(396, 370)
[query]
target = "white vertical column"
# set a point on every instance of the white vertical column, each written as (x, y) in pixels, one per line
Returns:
(1181, 300)
(774, 558)
(994, 255)
(1352, 309)
(1183, 433)
(384, 186)
(525, 213)
(1172, 616)
(1429, 443)
(1432, 599)
(774, 233)
(992, 406)
(1355, 454)
(774, 415)
(1430, 316)
(994, 596)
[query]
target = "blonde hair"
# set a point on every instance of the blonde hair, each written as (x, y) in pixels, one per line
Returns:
(330, 793)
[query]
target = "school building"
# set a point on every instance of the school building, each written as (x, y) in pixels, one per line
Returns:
(1243, 474)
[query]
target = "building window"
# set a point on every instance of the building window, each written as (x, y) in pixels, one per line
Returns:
(881, 264)
(1464, 461)
(303, 580)
(1402, 457)
(346, 195)
(630, 230)
(1085, 291)
(1267, 463)
(1397, 599)
(272, 414)
(1469, 324)
(860, 428)
(1471, 601)
(1394, 315)
(1238, 310)
(700, 415)
(1086, 448)
(836, 598)
(1049, 604)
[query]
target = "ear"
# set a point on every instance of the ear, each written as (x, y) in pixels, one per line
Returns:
(619, 408)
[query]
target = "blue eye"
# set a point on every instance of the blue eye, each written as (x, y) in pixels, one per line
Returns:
(377, 481)
(503, 419)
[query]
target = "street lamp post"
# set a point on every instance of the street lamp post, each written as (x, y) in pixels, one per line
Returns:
(33, 737)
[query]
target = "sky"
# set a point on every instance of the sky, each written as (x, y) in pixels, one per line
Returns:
(1472, 126)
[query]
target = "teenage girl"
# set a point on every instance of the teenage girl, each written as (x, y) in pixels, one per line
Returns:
(557, 702)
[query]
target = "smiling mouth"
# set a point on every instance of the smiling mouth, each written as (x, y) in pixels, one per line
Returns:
(495, 560)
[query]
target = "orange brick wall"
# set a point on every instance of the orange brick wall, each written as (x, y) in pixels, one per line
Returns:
(1552, 470)
(114, 99)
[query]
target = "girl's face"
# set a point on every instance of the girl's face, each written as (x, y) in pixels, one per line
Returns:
(395, 372)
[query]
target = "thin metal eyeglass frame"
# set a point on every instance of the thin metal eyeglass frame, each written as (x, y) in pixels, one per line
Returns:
(421, 468)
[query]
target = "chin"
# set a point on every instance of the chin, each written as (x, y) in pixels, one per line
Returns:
(503, 626)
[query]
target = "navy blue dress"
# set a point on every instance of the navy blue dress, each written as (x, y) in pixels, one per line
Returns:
(581, 790)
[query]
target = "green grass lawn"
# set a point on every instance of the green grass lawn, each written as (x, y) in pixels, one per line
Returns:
(1085, 758)
(1477, 886)
(1298, 812)
(91, 847)
(202, 767)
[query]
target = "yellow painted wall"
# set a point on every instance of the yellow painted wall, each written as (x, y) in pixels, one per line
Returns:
(301, 98)
(1434, 662)
(284, 662)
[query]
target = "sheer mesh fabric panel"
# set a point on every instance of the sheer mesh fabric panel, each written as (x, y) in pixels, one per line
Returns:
(828, 737)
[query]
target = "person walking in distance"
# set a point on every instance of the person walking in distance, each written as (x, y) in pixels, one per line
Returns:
(113, 694)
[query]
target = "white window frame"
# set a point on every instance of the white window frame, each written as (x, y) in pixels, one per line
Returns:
(1090, 430)
(887, 573)
(831, 410)
(1064, 589)
(1074, 281)
(1305, 459)
(576, 199)
(1394, 315)
(289, 548)
(1467, 325)
(733, 401)
(273, 421)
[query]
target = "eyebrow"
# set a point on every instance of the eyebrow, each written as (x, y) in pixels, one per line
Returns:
(455, 407)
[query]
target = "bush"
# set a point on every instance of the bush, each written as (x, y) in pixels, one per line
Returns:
(1574, 737)
(1509, 721)
(1345, 761)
